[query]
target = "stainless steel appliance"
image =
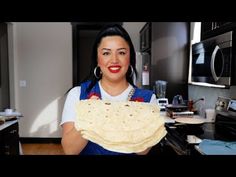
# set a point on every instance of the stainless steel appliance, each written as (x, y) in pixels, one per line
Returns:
(213, 61)
(225, 125)
(160, 90)
(162, 103)
(225, 120)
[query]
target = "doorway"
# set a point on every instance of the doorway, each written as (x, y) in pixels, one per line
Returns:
(84, 34)
(4, 68)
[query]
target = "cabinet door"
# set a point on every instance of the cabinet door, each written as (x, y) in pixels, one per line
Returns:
(1, 144)
(145, 38)
(10, 140)
(211, 29)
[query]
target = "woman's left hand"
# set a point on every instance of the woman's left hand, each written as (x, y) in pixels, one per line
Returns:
(145, 152)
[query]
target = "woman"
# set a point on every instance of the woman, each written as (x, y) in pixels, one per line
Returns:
(111, 78)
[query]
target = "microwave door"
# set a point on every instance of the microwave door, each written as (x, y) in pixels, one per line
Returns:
(212, 60)
(217, 67)
(207, 64)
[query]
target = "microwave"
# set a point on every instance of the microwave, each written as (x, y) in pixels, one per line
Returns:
(213, 61)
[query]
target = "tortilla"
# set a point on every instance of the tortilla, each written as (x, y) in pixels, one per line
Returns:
(120, 126)
(127, 147)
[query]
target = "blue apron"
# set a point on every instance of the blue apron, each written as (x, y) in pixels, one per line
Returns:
(140, 95)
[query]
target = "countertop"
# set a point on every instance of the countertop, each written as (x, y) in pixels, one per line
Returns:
(7, 124)
(9, 119)
(183, 138)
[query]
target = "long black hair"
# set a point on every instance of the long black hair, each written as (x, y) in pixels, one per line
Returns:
(111, 30)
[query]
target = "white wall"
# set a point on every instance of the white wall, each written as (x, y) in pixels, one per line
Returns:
(42, 55)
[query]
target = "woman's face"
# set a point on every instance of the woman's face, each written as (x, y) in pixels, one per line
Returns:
(113, 58)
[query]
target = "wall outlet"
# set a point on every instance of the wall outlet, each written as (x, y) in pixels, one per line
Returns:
(22, 83)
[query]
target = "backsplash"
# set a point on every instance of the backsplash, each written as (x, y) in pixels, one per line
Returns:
(210, 94)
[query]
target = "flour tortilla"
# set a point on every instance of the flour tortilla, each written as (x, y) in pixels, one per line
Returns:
(127, 147)
(97, 137)
(120, 126)
(191, 120)
(125, 135)
(116, 116)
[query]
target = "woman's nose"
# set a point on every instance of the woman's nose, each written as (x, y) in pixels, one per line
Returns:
(114, 58)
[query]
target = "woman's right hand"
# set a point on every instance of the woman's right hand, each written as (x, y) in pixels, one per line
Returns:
(72, 141)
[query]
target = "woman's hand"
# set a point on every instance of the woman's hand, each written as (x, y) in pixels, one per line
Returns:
(145, 152)
(72, 141)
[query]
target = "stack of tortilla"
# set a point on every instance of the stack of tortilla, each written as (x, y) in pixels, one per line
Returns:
(127, 127)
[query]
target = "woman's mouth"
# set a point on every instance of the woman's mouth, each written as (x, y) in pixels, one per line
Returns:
(114, 69)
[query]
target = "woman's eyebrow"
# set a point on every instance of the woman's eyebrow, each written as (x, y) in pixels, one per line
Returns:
(122, 49)
(117, 49)
(105, 49)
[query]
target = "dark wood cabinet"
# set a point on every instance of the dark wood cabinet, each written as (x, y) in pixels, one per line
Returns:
(145, 38)
(210, 29)
(9, 140)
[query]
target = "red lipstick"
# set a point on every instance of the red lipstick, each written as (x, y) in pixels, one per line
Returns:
(114, 68)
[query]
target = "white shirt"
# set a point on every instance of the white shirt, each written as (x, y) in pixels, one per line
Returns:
(69, 114)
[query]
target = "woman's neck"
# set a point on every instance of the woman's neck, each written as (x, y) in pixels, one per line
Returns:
(112, 88)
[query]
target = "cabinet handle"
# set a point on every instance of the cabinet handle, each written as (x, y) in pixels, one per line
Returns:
(214, 25)
(13, 131)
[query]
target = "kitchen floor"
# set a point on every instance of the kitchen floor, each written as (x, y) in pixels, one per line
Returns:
(42, 149)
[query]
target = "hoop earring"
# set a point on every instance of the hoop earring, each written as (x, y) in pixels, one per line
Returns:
(95, 72)
(132, 71)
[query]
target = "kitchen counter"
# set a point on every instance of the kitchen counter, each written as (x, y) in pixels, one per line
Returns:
(175, 142)
(9, 134)
(184, 138)
(9, 138)
(7, 124)
(177, 137)
(9, 119)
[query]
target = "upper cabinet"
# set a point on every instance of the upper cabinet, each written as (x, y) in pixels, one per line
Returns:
(210, 29)
(145, 38)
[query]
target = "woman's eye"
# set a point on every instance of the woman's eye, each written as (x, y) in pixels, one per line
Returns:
(122, 53)
(105, 53)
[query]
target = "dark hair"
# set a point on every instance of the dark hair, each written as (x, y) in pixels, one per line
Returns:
(111, 30)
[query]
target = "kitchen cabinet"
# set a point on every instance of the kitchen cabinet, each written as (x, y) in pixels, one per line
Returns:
(9, 139)
(145, 38)
(210, 29)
